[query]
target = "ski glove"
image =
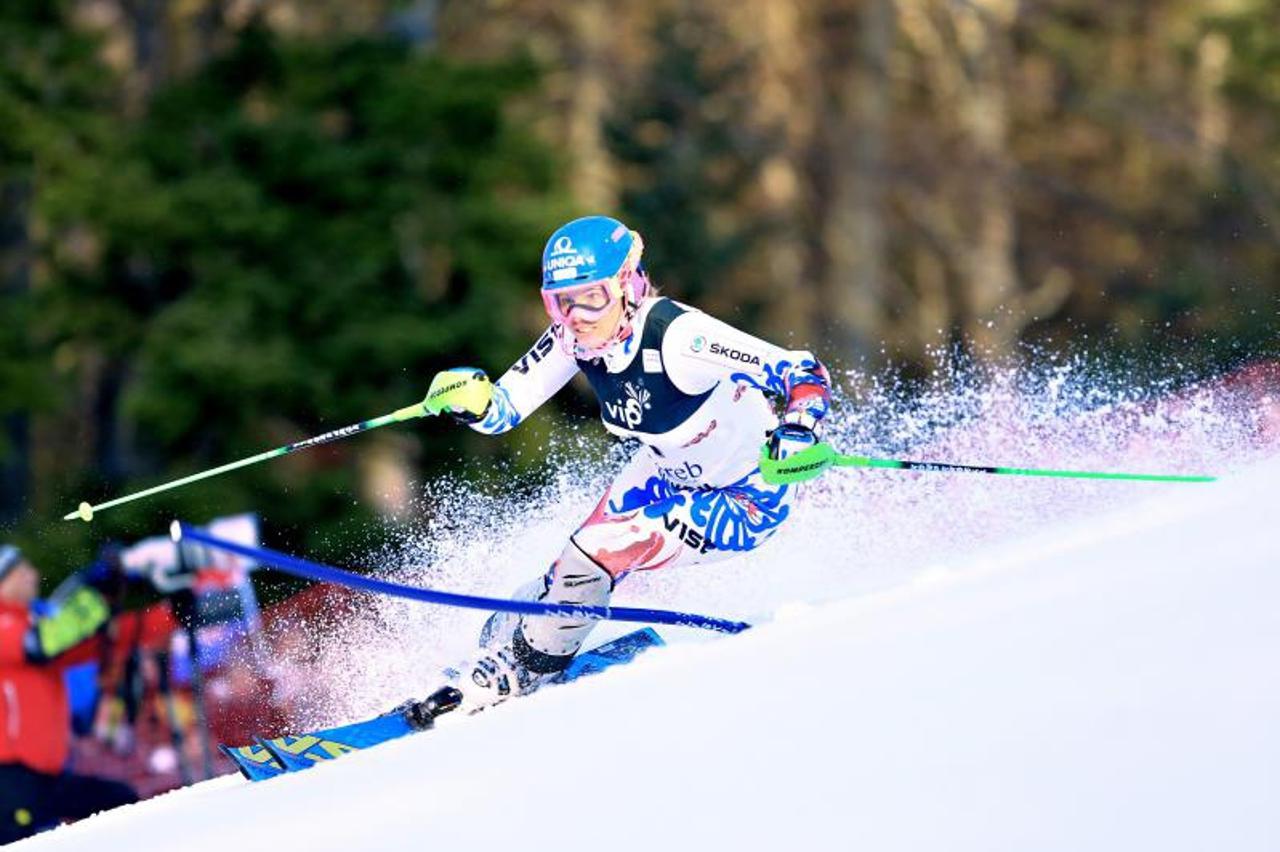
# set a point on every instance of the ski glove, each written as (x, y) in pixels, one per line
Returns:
(789, 439)
(463, 393)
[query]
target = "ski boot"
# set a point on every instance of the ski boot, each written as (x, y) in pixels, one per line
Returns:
(496, 674)
(491, 678)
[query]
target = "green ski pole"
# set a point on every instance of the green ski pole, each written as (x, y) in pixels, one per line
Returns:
(85, 511)
(813, 461)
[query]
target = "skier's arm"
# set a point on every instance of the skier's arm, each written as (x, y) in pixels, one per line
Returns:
(699, 351)
(466, 393)
(527, 384)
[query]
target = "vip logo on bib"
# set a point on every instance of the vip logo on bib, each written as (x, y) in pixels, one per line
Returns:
(630, 411)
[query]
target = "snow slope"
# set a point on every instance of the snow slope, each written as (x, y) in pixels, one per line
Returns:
(1107, 683)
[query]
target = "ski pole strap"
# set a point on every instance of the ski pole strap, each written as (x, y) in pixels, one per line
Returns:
(328, 574)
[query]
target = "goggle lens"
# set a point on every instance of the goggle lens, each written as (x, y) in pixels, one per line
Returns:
(593, 298)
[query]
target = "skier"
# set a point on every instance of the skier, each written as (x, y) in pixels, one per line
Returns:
(691, 389)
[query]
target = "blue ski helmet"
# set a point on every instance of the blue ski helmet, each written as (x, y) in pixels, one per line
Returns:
(580, 254)
(588, 249)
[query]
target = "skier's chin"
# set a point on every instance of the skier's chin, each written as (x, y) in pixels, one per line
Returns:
(590, 335)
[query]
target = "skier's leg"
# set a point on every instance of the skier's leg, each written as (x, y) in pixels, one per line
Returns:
(510, 664)
(610, 543)
(600, 531)
(518, 653)
(641, 524)
(546, 645)
(501, 626)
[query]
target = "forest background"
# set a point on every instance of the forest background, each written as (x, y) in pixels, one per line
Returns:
(229, 224)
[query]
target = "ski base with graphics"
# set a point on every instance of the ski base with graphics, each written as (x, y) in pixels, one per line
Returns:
(267, 758)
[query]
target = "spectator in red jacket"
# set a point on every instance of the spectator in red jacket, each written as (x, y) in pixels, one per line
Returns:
(37, 643)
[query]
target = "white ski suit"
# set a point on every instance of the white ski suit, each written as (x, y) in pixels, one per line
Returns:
(693, 390)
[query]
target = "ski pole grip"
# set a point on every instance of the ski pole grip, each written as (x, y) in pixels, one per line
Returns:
(410, 412)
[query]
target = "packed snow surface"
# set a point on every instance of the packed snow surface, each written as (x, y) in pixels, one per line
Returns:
(1107, 680)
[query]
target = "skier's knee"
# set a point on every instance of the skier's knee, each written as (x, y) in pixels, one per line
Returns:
(575, 580)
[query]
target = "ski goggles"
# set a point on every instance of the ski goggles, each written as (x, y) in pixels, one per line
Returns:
(591, 300)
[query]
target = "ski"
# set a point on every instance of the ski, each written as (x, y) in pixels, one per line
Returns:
(253, 761)
(302, 751)
(617, 652)
(268, 757)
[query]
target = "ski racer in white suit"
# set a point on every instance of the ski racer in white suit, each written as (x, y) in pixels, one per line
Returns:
(694, 391)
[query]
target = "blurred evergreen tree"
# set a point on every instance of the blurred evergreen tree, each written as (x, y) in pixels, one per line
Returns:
(1236, 307)
(53, 96)
(690, 158)
(293, 239)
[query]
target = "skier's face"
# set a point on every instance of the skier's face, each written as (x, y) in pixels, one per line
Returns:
(595, 332)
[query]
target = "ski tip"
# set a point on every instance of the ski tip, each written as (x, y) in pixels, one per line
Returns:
(253, 762)
(282, 750)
